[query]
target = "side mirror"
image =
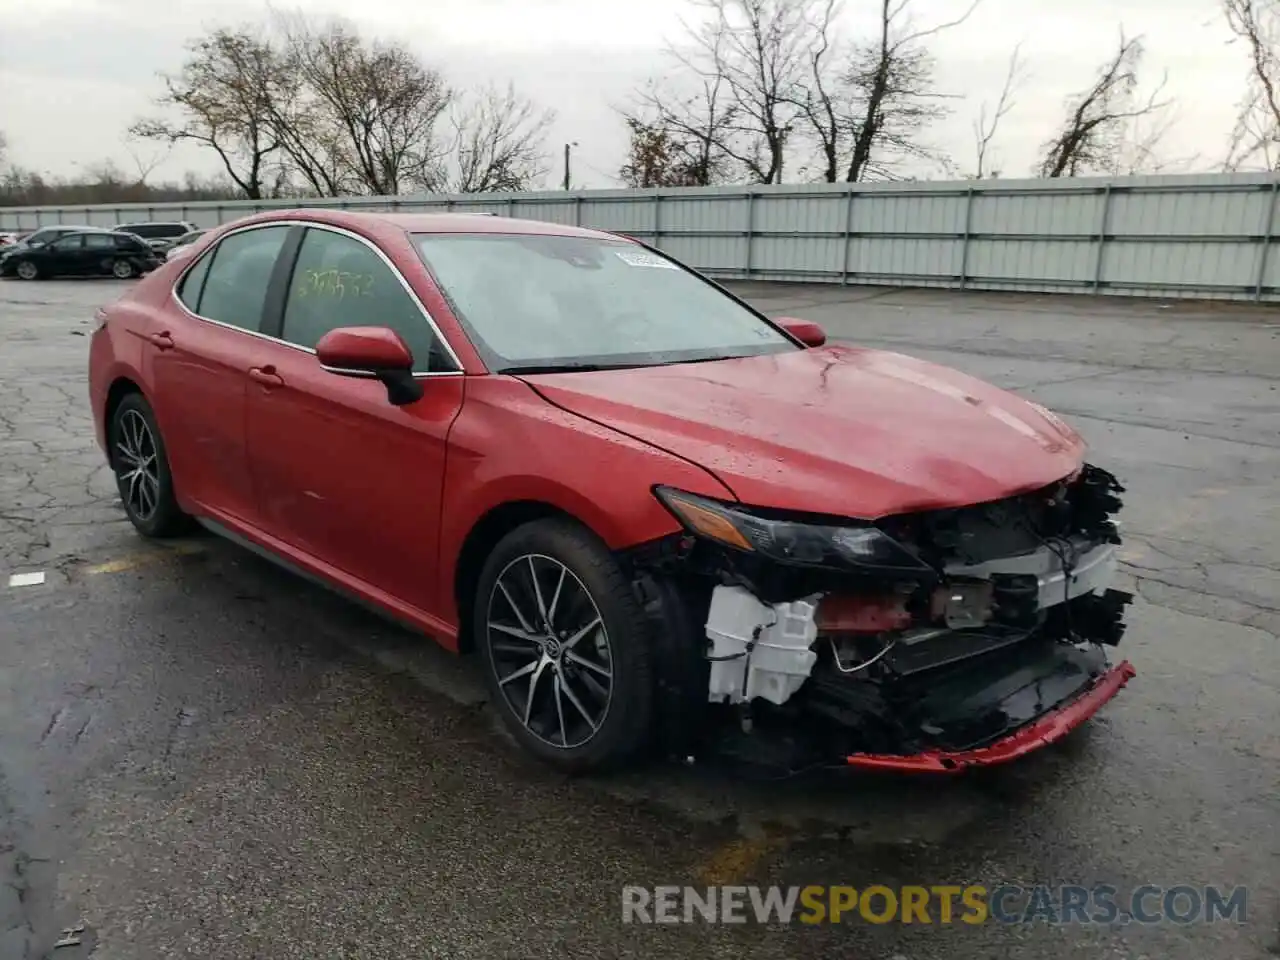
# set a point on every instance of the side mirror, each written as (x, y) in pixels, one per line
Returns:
(806, 331)
(374, 353)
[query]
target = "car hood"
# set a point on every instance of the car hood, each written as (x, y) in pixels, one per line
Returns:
(837, 430)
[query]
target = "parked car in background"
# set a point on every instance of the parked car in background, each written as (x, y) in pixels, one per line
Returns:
(652, 512)
(182, 246)
(8, 239)
(38, 238)
(160, 234)
(86, 253)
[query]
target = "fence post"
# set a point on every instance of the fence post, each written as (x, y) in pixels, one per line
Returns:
(657, 219)
(511, 208)
(848, 236)
(964, 243)
(577, 209)
(217, 212)
(1104, 219)
(1261, 274)
(751, 229)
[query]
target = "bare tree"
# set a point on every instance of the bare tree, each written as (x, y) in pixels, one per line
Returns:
(374, 107)
(1256, 136)
(821, 99)
(659, 155)
(1092, 136)
(746, 59)
(692, 126)
(499, 142)
(146, 164)
(4, 147)
(892, 78)
(1142, 141)
(988, 122)
(223, 99)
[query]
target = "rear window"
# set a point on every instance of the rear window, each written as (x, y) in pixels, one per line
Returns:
(156, 231)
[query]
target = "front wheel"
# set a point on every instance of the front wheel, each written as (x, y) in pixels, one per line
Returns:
(565, 648)
(28, 271)
(142, 470)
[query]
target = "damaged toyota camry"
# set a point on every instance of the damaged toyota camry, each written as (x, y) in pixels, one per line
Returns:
(658, 519)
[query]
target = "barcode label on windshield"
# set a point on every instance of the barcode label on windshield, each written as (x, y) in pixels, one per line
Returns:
(644, 260)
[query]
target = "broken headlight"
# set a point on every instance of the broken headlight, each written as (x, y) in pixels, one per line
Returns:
(846, 544)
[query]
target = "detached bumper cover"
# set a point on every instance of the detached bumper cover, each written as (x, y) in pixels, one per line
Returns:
(1039, 733)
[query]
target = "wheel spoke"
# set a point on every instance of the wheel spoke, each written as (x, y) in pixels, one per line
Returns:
(568, 692)
(555, 599)
(533, 688)
(515, 609)
(581, 632)
(543, 619)
(564, 735)
(524, 671)
(516, 632)
(598, 689)
(574, 657)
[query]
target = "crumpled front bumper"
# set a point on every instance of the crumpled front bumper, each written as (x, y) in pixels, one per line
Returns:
(1039, 733)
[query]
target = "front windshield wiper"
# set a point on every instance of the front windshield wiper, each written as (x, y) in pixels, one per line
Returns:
(565, 367)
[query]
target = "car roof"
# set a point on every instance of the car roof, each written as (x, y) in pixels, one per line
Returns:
(374, 223)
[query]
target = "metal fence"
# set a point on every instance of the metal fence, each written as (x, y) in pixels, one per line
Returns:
(1205, 236)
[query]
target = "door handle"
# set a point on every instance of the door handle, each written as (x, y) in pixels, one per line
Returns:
(266, 376)
(162, 340)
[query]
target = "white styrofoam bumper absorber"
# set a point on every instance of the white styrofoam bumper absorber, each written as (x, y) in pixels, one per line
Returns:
(780, 658)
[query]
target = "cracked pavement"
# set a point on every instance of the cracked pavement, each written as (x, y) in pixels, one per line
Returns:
(202, 756)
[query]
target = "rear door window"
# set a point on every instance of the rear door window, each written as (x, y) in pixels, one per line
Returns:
(99, 241)
(233, 287)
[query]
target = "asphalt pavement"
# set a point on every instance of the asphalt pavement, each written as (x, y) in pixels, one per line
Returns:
(202, 756)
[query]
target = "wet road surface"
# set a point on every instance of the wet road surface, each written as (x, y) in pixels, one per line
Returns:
(202, 756)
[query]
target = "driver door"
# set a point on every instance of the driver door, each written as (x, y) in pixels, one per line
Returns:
(340, 474)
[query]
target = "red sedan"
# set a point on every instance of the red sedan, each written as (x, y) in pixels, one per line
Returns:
(658, 518)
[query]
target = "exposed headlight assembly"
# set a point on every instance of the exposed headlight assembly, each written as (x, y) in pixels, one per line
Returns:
(850, 545)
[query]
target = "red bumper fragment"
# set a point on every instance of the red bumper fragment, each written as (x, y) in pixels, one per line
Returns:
(1052, 726)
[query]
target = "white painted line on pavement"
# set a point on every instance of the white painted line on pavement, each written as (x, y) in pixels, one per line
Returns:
(26, 579)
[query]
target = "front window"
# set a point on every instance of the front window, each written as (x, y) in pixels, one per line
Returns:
(536, 302)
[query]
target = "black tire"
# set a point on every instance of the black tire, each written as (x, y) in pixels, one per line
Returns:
(123, 270)
(29, 268)
(159, 515)
(625, 728)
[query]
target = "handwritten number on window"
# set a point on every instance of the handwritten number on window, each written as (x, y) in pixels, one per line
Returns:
(334, 284)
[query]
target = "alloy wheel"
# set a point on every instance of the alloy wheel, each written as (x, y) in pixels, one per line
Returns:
(122, 270)
(137, 465)
(28, 270)
(550, 651)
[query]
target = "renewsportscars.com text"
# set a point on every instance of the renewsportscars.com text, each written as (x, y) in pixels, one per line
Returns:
(940, 904)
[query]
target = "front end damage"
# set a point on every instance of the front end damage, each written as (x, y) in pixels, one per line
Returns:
(930, 641)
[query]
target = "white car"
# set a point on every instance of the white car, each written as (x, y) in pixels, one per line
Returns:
(183, 245)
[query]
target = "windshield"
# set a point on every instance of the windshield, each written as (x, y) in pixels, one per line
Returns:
(535, 302)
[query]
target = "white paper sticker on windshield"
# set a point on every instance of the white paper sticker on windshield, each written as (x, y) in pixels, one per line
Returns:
(636, 259)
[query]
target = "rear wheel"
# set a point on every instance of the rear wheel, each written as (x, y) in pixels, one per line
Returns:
(565, 648)
(122, 270)
(142, 470)
(28, 271)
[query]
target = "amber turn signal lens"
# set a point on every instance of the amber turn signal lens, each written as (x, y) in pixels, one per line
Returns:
(709, 523)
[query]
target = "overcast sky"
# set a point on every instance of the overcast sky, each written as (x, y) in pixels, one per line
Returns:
(75, 73)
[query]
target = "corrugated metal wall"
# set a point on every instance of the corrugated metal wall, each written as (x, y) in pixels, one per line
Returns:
(1194, 236)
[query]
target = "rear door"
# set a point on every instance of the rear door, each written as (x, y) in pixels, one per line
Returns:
(199, 368)
(342, 474)
(99, 253)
